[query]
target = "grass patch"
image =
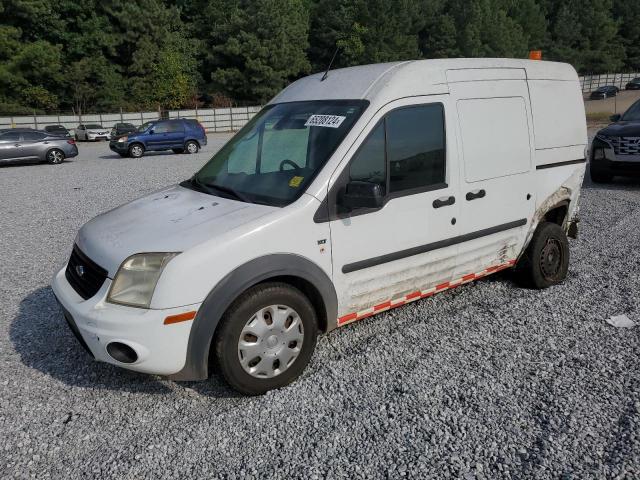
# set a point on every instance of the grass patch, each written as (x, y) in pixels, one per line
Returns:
(598, 117)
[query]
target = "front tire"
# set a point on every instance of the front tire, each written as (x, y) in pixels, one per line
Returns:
(266, 338)
(191, 147)
(136, 150)
(55, 156)
(546, 260)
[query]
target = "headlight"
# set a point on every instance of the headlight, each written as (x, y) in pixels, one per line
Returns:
(137, 278)
(123, 139)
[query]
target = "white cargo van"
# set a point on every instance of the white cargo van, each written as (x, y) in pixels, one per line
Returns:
(344, 197)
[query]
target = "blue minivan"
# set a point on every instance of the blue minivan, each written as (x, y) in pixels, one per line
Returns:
(180, 136)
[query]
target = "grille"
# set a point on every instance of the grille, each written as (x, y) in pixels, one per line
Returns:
(626, 145)
(84, 275)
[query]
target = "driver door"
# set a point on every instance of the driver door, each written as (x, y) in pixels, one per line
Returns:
(388, 256)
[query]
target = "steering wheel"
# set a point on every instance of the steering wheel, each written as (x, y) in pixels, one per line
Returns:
(286, 161)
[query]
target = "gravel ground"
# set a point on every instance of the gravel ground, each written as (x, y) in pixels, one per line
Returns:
(486, 381)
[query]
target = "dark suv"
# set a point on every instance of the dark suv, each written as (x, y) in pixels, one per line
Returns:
(180, 136)
(616, 148)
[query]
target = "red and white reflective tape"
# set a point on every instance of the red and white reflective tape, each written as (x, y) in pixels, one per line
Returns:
(417, 295)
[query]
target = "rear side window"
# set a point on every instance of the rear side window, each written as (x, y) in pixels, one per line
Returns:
(415, 147)
(495, 137)
(31, 136)
(169, 127)
(10, 136)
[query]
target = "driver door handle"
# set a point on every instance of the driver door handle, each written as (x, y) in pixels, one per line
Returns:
(444, 202)
(476, 194)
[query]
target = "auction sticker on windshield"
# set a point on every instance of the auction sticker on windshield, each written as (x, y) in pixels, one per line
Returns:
(331, 121)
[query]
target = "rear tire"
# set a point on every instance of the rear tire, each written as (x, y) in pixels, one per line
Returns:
(266, 338)
(191, 147)
(55, 156)
(136, 150)
(546, 260)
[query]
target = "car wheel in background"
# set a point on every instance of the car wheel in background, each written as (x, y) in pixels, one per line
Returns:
(55, 156)
(136, 150)
(177, 150)
(546, 260)
(266, 338)
(191, 147)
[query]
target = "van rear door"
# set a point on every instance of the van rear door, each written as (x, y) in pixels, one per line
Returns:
(497, 196)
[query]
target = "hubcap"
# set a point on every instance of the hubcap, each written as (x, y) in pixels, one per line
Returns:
(551, 259)
(137, 150)
(192, 148)
(270, 341)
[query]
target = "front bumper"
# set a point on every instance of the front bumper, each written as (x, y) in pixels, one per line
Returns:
(612, 163)
(95, 136)
(161, 349)
(119, 147)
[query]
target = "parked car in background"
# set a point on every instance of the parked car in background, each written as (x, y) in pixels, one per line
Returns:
(633, 84)
(604, 92)
(57, 130)
(92, 132)
(616, 148)
(122, 129)
(35, 145)
(180, 135)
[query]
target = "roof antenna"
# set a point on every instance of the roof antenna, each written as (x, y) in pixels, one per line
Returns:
(326, 74)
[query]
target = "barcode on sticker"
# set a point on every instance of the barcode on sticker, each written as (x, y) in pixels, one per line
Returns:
(331, 121)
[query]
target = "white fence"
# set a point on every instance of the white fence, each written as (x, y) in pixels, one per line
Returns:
(590, 82)
(212, 119)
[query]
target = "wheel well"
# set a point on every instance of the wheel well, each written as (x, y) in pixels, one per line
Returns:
(311, 293)
(192, 140)
(557, 214)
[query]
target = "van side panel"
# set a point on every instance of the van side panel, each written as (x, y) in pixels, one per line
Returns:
(560, 140)
(557, 109)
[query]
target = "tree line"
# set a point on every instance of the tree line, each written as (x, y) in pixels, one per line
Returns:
(102, 55)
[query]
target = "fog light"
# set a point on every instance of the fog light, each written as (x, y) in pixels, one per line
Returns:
(122, 352)
(598, 154)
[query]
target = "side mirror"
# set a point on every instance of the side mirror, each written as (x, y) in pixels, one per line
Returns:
(359, 194)
(615, 118)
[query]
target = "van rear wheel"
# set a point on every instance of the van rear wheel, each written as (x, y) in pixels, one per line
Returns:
(546, 261)
(266, 338)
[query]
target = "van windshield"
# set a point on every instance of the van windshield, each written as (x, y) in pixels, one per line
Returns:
(278, 153)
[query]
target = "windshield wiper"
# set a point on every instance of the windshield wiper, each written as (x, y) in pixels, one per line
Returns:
(211, 188)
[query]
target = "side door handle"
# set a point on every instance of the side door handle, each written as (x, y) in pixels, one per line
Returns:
(444, 202)
(476, 194)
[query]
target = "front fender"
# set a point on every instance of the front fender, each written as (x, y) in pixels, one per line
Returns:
(233, 285)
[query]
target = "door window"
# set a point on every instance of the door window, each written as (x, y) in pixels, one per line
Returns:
(416, 147)
(32, 136)
(405, 153)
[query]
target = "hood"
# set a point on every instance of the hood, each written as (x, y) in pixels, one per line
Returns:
(622, 129)
(170, 220)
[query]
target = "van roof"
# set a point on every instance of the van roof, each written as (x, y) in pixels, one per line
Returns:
(384, 82)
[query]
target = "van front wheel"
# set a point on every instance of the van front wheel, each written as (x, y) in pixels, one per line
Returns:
(266, 338)
(546, 261)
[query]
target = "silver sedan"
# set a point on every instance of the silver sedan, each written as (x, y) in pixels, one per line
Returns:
(35, 145)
